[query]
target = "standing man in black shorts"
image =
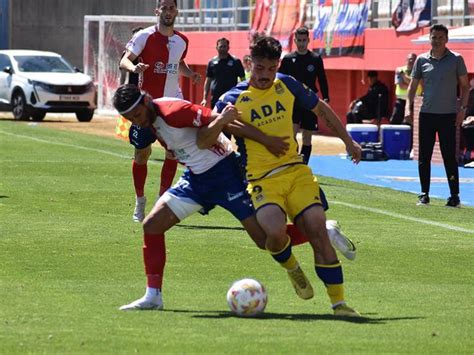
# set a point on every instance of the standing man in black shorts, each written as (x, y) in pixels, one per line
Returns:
(307, 67)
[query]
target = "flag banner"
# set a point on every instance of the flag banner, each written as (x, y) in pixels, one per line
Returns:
(122, 128)
(411, 14)
(288, 17)
(261, 16)
(339, 27)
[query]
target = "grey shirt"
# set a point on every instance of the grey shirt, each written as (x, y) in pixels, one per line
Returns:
(440, 81)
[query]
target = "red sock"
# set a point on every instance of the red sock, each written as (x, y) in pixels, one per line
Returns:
(295, 235)
(139, 173)
(168, 171)
(154, 257)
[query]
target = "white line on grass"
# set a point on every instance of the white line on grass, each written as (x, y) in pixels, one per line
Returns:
(374, 210)
(73, 146)
(408, 218)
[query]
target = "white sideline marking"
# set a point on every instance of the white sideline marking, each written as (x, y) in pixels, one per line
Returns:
(128, 157)
(401, 216)
(370, 209)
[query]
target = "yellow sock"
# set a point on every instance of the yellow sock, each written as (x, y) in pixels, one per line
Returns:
(335, 293)
(285, 257)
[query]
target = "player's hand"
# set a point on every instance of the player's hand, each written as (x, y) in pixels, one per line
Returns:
(196, 78)
(460, 117)
(203, 102)
(408, 119)
(229, 114)
(355, 152)
(140, 68)
(278, 146)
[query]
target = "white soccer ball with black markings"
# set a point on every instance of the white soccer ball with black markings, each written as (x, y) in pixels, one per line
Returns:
(247, 298)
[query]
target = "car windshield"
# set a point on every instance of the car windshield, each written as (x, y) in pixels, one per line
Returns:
(42, 64)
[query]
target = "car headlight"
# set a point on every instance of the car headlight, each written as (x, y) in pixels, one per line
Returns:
(44, 86)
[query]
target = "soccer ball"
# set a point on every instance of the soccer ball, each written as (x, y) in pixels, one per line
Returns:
(247, 298)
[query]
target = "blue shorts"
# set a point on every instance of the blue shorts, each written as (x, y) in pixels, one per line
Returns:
(222, 185)
(140, 137)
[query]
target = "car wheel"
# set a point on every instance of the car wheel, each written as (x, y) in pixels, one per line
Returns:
(19, 107)
(38, 116)
(84, 115)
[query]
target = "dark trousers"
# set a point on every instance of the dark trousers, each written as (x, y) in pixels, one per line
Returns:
(398, 112)
(445, 126)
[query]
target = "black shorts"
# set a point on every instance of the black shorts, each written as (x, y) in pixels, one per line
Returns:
(305, 118)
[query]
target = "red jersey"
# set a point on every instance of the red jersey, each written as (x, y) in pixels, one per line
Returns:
(177, 126)
(163, 54)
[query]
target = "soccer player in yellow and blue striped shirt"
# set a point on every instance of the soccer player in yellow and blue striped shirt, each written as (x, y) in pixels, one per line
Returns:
(284, 186)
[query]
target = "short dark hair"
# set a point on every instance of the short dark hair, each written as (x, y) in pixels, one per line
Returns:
(159, 1)
(439, 27)
(263, 46)
(303, 30)
(125, 96)
(372, 74)
(136, 29)
(223, 39)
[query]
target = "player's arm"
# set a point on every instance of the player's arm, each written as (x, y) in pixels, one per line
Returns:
(322, 80)
(464, 87)
(411, 98)
(126, 63)
(186, 71)
(208, 134)
(205, 94)
(326, 113)
(274, 144)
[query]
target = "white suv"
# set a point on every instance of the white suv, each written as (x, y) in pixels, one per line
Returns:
(35, 82)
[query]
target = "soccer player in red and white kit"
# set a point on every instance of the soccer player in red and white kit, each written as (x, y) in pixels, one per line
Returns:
(160, 51)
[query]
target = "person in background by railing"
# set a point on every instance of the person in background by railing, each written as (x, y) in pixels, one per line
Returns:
(160, 51)
(307, 67)
(222, 73)
(402, 80)
(247, 61)
(373, 105)
(441, 71)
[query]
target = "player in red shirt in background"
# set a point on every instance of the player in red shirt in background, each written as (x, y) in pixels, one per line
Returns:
(160, 51)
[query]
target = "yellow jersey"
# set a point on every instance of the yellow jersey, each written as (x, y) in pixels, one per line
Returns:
(271, 111)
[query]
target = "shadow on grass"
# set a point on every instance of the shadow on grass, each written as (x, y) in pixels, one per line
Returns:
(209, 227)
(305, 317)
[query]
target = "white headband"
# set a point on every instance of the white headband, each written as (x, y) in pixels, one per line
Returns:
(133, 106)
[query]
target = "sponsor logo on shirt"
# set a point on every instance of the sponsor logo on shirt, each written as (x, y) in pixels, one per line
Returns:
(245, 99)
(310, 68)
(279, 89)
(165, 68)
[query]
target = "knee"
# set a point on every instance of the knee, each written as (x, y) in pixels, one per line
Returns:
(142, 155)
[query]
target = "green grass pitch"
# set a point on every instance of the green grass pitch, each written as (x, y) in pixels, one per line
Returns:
(70, 256)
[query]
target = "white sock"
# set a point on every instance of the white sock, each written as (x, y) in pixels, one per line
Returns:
(152, 292)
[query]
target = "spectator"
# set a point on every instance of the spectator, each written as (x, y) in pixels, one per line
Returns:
(441, 72)
(222, 73)
(306, 67)
(247, 62)
(372, 105)
(402, 80)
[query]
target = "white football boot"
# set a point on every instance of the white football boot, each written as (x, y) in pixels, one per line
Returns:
(147, 302)
(339, 241)
(139, 212)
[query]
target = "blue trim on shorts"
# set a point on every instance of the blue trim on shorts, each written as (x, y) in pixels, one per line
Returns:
(222, 185)
(141, 137)
(324, 204)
